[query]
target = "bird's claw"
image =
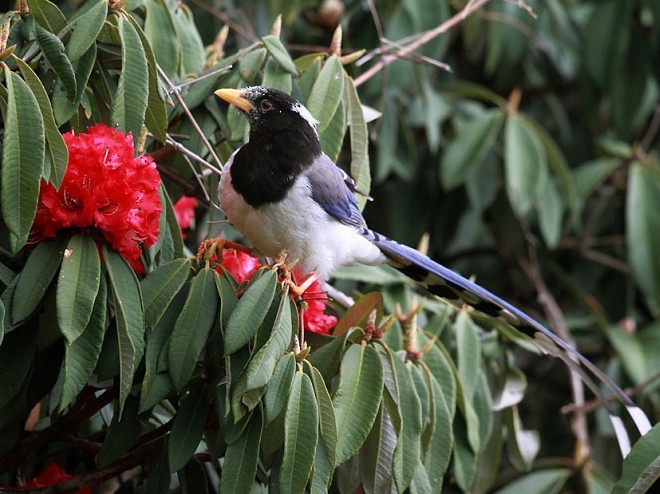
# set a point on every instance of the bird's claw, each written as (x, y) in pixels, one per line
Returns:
(287, 276)
(210, 248)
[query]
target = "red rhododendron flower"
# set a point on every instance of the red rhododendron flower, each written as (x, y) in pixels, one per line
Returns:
(241, 265)
(53, 474)
(106, 192)
(314, 317)
(184, 210)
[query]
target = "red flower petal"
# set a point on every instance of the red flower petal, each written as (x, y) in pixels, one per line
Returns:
(241, 265)
(184, 210)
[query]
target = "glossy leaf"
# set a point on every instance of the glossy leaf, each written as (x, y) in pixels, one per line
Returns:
(549, 481)
(24, 146)
(37, 274)
(357, 398)
(129, 314)
(279, 388)
(436, 459)
(188, 427)
(359, 136)
(324, 464)
(277, 50)
(192, 327)
(77, 286)
(250, 312)
(301, 434)
(327, 93)
(85, 30)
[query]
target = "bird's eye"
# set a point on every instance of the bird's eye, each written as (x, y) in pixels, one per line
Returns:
(266, 105)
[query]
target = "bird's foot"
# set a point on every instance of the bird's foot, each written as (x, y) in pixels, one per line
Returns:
(288, 277)
(212, 247)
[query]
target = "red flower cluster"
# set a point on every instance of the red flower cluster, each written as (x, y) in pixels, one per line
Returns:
(184, 210)
(242, 266)
(53, 474)
(106, 190)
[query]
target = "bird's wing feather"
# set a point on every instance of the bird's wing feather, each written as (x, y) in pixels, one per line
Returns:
(331, 191)
(445, 283)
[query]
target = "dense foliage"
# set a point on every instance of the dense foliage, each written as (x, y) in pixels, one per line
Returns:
(531, 164)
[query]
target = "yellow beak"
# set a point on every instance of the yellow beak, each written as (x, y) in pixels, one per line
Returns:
(234, 97)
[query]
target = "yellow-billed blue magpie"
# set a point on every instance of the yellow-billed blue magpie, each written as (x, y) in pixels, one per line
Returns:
(284, 194)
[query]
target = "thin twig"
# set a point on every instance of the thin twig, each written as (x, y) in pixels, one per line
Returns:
(190, 154)
(423, 39)
(222, 17)
(652, 131)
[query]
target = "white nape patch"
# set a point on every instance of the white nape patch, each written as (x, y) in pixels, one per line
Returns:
(304, 112)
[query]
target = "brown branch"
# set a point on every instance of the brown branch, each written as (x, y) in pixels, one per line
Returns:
(423, 39)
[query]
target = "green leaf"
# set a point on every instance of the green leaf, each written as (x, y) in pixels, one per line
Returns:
(261, 366)
(77, 286)
(37, 274)
(359, 135)
(643, 231)
(359, 312)
(550, 210)
(549, 481)
(54, 52)
(160, 31)
(591, 175)
(160, 286)
(275, 76)
(279, 388)
(377, 454)
(192, 327)
(522, 444)
(439, 448)
(323, 471)
(130, 101)
(473, 140)
(129, 314)
(193, 478)
(59, 154)
(469, 351)
(250, 65)
(357, 398)
(193, 54)
(277, 50)
(641, 468)
(188, 427)
(23, 147)
(327, 93)
(407, 452)
(85, 30)
(250, 312)
(48, 15)
(156, 113)
(124, 432)
(242, 457)
(301, 435)
(524, 163)
(16, 360)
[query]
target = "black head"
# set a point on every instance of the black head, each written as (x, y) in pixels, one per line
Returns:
(270, 110)
(283, 143)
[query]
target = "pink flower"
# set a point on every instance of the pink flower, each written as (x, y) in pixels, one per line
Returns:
(314, 317)
(184, 210)
(106, 192)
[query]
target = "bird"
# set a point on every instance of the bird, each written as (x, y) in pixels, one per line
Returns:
(283, 193)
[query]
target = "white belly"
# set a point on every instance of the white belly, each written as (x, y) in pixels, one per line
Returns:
(300, 226)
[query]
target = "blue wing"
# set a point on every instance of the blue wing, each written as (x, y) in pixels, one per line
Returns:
(331, 190)
(445, 283)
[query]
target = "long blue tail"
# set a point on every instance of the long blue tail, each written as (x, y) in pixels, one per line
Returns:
(447, 284)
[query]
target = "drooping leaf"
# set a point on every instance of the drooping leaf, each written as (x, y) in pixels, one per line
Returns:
(130, 101)
(643, 231)
(242, 457)
(548, 481)
(250, 312)
(85, 30)
(192, 327)
(523, 444)
(359, 135)
(188, 427)
(160, 286)
(23, 147)
(327, 93)
(77, 286)
(124, 431)
(54, 52)
(277, 50)
(59, 154)
(300, 435)
(161, 33)
(324, 464)
(129, 314)
(469, 348)
(37, 274)
(279, 388)
(357, 398)
(16, 360)
(48, 15)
